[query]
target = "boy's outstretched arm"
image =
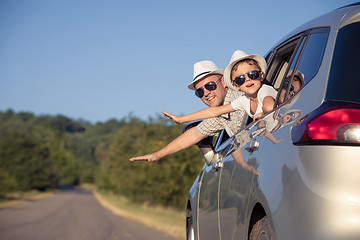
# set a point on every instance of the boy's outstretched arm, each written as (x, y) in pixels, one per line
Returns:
(185, 140)
(202, 114)
(172, 117)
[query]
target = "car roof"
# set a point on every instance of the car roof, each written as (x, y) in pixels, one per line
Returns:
(335, 19)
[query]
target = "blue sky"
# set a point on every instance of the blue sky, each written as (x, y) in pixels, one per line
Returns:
(99, 60)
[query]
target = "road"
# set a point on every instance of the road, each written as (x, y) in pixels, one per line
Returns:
(72, 214)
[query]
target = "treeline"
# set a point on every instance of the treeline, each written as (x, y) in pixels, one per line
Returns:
(42, 152)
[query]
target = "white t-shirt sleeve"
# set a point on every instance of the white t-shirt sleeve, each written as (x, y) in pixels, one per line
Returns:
(265, 91)
(239, 103)
(243, 102)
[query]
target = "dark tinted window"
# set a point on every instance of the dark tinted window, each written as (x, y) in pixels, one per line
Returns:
(313, 53)
(344, 78)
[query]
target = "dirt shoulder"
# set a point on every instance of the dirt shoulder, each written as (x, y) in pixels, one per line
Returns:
(166, 220)
(17, 199)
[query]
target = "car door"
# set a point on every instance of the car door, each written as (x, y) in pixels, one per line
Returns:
(221, 183)
(238, 177)
(278, 162)
(208, 226)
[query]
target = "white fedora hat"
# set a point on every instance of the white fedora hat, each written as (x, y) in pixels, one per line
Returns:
(237, 56)
(203, 69)
(297, 74)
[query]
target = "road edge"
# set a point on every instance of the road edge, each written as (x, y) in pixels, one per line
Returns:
(126, 214)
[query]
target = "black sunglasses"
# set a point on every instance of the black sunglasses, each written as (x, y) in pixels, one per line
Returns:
(210, 86)
(253, 75)
(286, 86)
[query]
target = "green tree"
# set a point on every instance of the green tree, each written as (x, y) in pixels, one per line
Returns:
(27, 160)
(165, 182)
(7, 182)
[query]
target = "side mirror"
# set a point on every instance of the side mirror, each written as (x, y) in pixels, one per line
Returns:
(205, 146)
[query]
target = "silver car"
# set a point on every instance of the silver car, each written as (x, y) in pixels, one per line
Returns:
(295, 173)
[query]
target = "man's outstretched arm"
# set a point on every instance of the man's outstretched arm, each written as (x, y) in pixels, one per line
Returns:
(185, 140)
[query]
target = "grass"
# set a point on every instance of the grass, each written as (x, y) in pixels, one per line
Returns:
(163, 219)
(16, 198)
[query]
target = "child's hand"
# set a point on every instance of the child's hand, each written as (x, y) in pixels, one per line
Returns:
(173, 117)
(257, 116)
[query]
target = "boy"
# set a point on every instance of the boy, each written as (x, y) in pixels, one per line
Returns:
(244, 73)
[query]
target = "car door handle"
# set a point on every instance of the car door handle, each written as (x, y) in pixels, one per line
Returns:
(253, 146)
(218, 165)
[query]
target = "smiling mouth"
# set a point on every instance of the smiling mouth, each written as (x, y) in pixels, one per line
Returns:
(249, 85)
(210, 98)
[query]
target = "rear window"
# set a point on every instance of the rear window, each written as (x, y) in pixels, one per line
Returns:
(344, 79)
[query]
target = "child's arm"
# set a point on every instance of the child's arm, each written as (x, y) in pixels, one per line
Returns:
(202, 114)
(268, 104)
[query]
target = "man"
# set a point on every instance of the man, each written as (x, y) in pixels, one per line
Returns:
(209, 86)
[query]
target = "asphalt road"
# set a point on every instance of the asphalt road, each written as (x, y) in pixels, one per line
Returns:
(72, 214)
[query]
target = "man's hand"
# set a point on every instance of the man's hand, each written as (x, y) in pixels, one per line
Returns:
(172, 117)
(152, 157)
(185, 140)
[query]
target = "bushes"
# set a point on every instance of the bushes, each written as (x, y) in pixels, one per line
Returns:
(27, 160)
(7, 182)
(165, 182)
(42, 152)
(33, 155)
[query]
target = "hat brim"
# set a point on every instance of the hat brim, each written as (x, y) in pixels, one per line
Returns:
(297, 74)
(191, 85)
(227, 73)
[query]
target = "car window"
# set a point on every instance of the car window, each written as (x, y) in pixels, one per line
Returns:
(283, 57)
(280, 61)
(312, 54)
(296, 62)
(344, 78)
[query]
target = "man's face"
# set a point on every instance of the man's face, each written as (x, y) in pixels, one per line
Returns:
(215, 97)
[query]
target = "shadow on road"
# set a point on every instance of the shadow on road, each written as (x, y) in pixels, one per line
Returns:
(64, 189)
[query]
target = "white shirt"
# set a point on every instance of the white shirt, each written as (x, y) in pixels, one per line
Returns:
(243, 102)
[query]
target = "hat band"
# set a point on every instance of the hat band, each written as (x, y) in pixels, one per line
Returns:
(201, 74)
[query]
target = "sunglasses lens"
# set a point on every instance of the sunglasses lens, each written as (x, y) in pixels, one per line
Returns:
(254, 74)
(210, 86)
(199, 92)
(239, 80)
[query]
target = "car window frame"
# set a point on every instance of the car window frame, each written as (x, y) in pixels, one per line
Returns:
(222, 141)
(302, 37)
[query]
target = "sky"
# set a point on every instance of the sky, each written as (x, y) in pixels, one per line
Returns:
(100, 60)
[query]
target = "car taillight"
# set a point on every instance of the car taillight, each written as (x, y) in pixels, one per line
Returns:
(331, 123)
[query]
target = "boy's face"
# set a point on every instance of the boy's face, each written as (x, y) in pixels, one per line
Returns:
(250, 87)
